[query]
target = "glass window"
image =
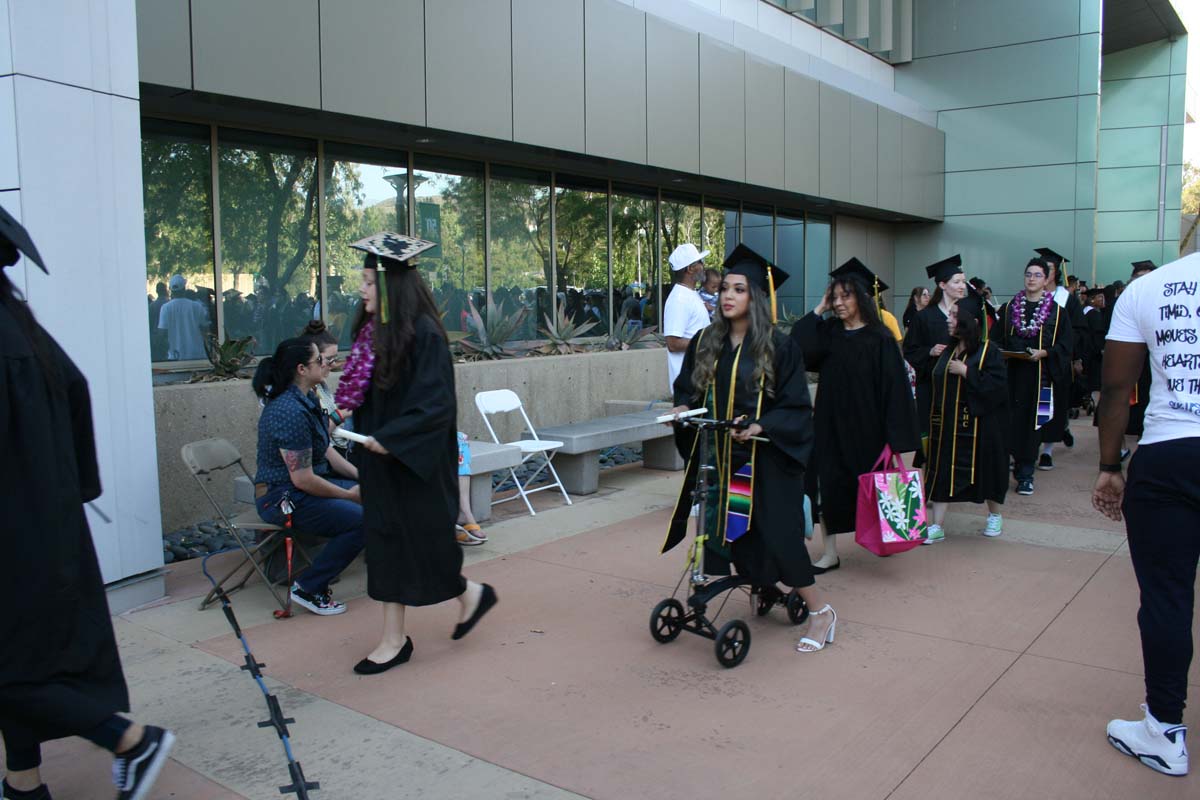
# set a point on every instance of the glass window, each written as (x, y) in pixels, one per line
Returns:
(177, 195)
(449, 211)
(519, 259)
(789, 254)
(720, 226)
(818, 255)
(269, 259)
(366, 191)
(581, 255)
(633, 251)
(758, 230)
(680, 222)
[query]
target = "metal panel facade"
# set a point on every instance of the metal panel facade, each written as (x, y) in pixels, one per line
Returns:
(672, 96)
(802, 133)
(468, 66)
(373, 61)
(764, 124)
(722, 110)
(547, 54)
(835, 143)
(615, 80)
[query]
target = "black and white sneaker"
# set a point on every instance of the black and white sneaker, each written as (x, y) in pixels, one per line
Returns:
(1045, 462)
(1025, 487)
(321, 603)
(134, 772)
(1159, 746)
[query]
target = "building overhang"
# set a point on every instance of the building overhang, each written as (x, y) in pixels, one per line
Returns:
(1129, 23)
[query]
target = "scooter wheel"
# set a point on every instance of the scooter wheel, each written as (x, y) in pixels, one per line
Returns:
(767, 598)
(666, 620)
(733, 643)
(797, 609)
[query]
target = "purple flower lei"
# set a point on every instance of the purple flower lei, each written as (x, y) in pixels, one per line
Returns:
(1017, 307)
(356, 375)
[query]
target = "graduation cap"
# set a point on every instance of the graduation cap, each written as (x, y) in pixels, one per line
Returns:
(1143, 266)
(945, 269)
(856, 269)
(385, 247)
(16, 240)
(972, 305)
(1095, 290)
(1051, 256)
(759, 271)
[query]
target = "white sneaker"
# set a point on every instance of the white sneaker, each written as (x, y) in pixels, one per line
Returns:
(995, 525)
(934, 534)
(1159, 746)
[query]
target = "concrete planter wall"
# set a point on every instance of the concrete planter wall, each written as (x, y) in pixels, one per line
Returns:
(555, 389)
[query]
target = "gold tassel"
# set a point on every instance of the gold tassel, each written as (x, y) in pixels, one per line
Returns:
(771, 292)
(381, 288)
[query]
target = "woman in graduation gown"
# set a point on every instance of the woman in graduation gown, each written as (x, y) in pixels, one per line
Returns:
(864, 399)
(1033, 324)
(968, 453)
(400, 383)
(60, 673)
(928, 336)
(741, 367)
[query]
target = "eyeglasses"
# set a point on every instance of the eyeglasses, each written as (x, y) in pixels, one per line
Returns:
(333, 360)
(1035, 275)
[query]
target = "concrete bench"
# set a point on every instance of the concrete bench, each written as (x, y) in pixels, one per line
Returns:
(486, 458)
(578, 460)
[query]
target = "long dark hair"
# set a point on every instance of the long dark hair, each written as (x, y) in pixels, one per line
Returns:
(276, 373)
(866, 301)
(408, 299)
(761, 338)
(969, 332)
(13, 301)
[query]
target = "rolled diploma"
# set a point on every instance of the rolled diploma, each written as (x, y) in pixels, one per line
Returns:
(351, 435)
(695, 412)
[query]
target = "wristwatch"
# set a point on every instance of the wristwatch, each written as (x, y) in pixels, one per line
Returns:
(1110, 467)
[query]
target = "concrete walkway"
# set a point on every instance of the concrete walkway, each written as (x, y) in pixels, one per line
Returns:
(976, 668)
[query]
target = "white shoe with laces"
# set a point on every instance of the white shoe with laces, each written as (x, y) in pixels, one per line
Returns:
(1158, 745)
(995, 525)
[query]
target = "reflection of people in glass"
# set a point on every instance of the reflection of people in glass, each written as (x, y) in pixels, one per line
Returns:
(185, 321)
(158, 339)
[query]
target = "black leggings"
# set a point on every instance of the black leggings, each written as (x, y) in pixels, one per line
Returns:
(23, 751)
(34, 713)
(1162, 513)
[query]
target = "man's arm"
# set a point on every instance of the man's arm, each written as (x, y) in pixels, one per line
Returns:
(299, 464)
(1122, 365)
(677, 344)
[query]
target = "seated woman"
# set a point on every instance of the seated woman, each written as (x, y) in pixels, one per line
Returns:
(740, 367)
(327, 346)
(298, 470)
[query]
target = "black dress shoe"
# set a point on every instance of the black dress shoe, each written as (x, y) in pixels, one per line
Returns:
(369, 667)
(1068, 439)
(487, 599)
(822, 570)
(40, 793)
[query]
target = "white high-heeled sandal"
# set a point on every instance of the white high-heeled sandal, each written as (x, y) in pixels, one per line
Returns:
(813, 644)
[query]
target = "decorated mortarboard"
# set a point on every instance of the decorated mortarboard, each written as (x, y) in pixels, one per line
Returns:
(389, 247)
(758, 270)
(1144, 266)
(18, 238)
(945, 269)
(1051, 256)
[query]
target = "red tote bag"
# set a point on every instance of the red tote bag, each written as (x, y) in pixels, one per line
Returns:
(891, 507)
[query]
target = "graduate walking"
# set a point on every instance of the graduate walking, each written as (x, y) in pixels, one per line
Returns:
(968, 455)
(60, 674)
(928, 336)
(399, 381)
(740, 367)
(1036, 337)
(864, 399)
(1055, 279)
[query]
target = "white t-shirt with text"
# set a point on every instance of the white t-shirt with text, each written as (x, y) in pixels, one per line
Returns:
(1162, 310)
(684, 316)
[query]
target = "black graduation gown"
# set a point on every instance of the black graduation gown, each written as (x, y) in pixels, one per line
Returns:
(410, 497)
(1093, 364)
(1025, 378)
(60, 673)
(968, 454)
(929, 327)
(772, 550)
(864, 401)
(1139, 402)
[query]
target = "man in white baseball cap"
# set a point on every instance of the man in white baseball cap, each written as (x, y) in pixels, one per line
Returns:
(684, 314)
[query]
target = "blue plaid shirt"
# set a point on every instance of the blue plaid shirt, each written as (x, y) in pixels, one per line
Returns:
(292, 421)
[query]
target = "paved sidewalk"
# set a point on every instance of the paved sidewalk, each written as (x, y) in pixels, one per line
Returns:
(976, 668)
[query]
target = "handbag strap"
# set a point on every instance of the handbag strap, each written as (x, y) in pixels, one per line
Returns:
(887, 459)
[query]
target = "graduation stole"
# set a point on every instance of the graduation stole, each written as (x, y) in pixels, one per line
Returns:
(735, 498)
(953, 418)
(1045, 397)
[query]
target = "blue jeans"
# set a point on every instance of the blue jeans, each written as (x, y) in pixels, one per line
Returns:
(340, 521)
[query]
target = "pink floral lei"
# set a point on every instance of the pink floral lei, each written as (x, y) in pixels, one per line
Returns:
(1017, 307)
(356, 375)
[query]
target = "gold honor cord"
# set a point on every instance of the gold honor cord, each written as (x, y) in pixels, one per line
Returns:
(771, 292)
(381, 290)
(975, 433)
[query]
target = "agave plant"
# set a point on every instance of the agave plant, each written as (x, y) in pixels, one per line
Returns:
(631, 337)
(491, 338)
(228, 358)
(563, 333)
(786, 320)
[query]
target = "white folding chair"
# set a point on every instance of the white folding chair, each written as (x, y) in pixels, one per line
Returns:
(503, 401)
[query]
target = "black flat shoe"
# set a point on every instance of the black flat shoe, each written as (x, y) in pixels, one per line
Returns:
(487, 599)
(369, 667)
(822, 570)
(40, 793)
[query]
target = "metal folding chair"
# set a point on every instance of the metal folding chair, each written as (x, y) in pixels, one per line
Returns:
(502, 401)
(211, 456)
